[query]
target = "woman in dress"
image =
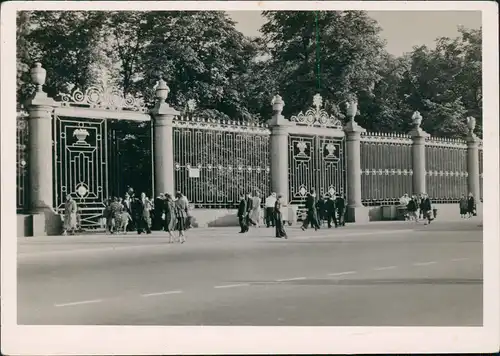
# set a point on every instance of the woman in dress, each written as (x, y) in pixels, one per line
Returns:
(255, 212)
(181, 209)
(278, 216)
(70, 209)
(169, 218)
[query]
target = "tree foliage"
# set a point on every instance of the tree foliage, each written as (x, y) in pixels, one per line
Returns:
(203, 57)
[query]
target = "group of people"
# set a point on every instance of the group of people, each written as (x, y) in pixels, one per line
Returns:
(331, 208)
(166, 213)
(420, 207)
(467, 206)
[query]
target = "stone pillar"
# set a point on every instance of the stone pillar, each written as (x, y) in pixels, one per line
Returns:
(418, 155)
(356, 212)
(473, 160)
(40, 160)
(163, 115)
(278, 148)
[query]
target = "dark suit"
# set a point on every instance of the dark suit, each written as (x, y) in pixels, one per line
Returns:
(340, 207)
(471, 205)
(158, 211)
(243, 214)
(331, 212)
(426, 209)
(312, 213)
(249, 202)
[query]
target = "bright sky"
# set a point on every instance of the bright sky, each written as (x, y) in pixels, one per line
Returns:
(401, 29)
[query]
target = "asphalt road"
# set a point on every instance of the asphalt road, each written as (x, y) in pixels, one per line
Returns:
(394, 274)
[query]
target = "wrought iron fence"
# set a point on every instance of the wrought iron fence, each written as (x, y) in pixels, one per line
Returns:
(446, 166)
(386, 168)
(21, 161)
(217, 161)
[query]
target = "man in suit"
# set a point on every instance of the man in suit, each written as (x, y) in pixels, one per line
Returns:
(242, 214)
(249, 208)
(312, 213)
(157, 212)
(331, 211)
(340, 207)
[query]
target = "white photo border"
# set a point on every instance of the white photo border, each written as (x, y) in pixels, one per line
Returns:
(135, 340)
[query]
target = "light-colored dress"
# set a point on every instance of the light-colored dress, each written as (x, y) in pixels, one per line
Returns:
(256, 212)
(70, 209)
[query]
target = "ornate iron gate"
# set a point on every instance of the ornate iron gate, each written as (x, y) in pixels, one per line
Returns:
(95, 160)
(81, 166)
(315, 162)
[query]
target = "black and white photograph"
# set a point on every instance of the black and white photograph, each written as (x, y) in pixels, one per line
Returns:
(250, 177)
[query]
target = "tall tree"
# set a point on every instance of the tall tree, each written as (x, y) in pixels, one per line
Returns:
(203, 57)
(350, 50)
(445, 84)
(65, 42)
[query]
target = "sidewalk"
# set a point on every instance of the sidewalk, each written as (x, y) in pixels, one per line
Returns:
(228, 232)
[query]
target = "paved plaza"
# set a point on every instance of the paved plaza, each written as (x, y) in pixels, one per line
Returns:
(387, 274)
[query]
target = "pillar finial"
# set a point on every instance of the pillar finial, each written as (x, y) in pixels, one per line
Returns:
(38, 76)
(416, 119)
(471, 126)
(352, 108)
(277, 104)
(162, 91)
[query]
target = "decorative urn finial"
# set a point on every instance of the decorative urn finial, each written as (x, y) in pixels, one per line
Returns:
(162, 90)
(417, 119)
(471, 124)
(277, 104)
(38, 75)
(352, 108)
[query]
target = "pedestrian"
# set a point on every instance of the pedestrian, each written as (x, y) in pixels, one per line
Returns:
(331, 211)
(420, 197)
(181, 212)
(70, 209)
(464, 206)
(116, 209)
(270, 201)
(426, 208)
(312, 213)
(340, 207)
(412, 209)
(249, 209)
(127, 206)
(255, 211)
(142, 209)
(278, 216)
(169, 218)
(322, 210)
(471, 206)
(242, 214)
(157, 212)
(403, 202)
